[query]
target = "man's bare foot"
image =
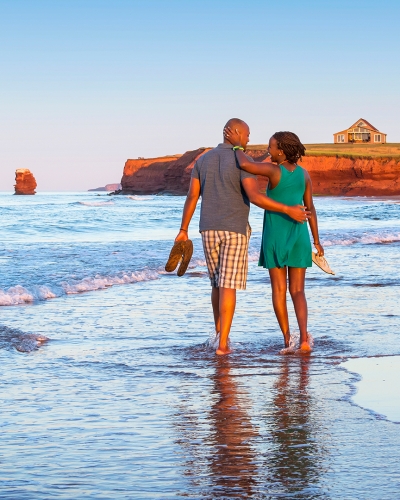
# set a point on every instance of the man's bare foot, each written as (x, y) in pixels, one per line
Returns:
(305, 348)
(222, 351)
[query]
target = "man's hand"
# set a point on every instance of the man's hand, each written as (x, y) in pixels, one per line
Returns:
(189, 208)
(182, 236)
(299, 213)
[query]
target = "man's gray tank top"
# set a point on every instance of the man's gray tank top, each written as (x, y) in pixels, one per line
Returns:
(224, 205)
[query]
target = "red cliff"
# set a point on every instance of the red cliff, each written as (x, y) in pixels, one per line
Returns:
(330, 175)
(25, 183)
(168, 174)
(353, 177)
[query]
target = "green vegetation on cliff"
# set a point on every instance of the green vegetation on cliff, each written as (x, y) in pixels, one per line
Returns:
(390, 150)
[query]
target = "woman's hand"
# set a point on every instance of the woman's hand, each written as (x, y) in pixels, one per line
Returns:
(232, 136)
(319, 249)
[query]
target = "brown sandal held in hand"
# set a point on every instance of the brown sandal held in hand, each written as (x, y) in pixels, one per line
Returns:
(187, 255)
(175, 256)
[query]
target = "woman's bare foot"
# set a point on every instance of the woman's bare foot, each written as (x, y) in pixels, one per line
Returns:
(222, 351)
(286, 351)
(286, 339)
(305, 348)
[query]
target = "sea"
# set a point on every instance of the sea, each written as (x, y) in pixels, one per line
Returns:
(110, 386)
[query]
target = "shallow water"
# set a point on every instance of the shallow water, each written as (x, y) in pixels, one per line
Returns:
(126, 399)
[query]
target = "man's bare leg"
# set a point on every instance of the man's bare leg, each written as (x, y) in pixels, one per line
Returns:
(215, 306)
(296, 288)
(227, 304)
(279, 288)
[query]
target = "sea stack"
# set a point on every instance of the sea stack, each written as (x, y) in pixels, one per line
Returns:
(25, 183)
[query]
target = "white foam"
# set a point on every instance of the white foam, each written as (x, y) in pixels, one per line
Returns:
(365, 240)
(140, 198)
(101, 282)
(212, 342)
(254, 257)
(21, 295)
(294, 342)
(96, 203)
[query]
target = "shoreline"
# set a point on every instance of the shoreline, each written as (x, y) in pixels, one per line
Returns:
(377, 387)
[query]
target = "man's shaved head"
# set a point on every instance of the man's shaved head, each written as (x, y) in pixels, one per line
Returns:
(235, 123)
(242, 129)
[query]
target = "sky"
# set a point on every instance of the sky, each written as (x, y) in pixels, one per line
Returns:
(87, 84)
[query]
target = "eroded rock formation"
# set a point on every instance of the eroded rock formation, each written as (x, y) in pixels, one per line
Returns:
(107, 187)
(330, 175)
(25, 183)
(168, 174)
(353, 177)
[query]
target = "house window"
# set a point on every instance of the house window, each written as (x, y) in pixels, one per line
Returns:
(377, 138)
(361, 124)
(340, 138)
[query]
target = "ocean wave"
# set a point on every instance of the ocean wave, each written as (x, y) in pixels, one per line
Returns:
(23, 295)
(370, 239)
(254, 257)
(140, 198)
(95, 203)
(102, 282)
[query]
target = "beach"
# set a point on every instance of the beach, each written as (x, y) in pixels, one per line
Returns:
(127, 398)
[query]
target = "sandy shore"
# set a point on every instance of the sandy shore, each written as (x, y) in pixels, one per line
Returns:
(378, 389)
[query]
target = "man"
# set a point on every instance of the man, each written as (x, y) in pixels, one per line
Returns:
(226, 193)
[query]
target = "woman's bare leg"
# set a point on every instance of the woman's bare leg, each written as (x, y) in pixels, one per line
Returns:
(296, 288)
(278, 277)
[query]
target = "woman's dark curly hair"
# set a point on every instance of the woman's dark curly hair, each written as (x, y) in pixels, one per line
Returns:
(290, 144)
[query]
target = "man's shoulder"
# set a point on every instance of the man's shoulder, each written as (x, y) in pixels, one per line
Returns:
(216, 153)
(212, 152)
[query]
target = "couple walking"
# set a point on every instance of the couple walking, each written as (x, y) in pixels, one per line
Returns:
(225, 178)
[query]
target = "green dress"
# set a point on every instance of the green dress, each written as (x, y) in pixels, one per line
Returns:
(286, 242)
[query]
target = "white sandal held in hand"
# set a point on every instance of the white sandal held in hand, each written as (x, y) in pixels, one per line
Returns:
(322, 263)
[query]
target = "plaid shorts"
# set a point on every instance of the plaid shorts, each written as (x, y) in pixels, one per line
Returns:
(227, 258)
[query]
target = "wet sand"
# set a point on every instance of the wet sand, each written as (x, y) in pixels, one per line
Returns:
(127, 401)
(378, 389)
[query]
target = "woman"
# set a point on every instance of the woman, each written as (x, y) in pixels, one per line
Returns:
(285, 246)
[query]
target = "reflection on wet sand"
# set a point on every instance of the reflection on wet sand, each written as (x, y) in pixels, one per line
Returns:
(232, 462)
(295, 461)
(239, 447)
(215, 438)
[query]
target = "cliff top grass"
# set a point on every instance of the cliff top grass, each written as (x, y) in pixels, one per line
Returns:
(390, 150)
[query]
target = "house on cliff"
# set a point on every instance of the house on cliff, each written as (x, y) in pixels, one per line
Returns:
(360, 132)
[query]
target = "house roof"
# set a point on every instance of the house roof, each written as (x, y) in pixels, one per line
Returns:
(366, 124)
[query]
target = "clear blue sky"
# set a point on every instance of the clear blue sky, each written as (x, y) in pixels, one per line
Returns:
(86, 84)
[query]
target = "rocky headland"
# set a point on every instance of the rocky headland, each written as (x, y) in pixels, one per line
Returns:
(331, 175)
(25, 182)
(107, 187)
(167, 175)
